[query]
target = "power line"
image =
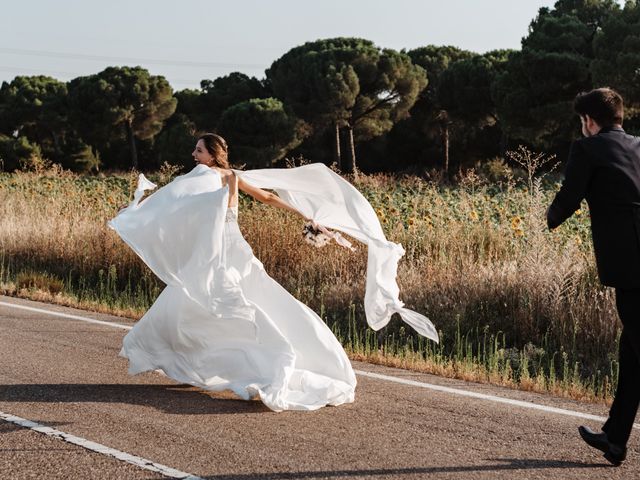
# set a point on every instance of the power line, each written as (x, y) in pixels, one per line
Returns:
(81, 56)
(177, 81)
(6, 68)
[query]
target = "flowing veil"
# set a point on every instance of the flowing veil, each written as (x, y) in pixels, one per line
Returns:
(321, 194)
(177, 232)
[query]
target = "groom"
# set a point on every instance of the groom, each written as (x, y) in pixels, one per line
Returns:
(604, 168)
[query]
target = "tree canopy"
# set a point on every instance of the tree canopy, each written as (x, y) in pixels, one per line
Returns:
(260, 131)
(535, 93)
(326, 98)
(348, 83)
(616, 60)
(120, 101)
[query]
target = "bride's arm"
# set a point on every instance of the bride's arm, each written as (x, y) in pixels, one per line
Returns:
(267, 198)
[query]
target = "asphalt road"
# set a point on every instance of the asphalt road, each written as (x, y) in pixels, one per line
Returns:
(66, 374)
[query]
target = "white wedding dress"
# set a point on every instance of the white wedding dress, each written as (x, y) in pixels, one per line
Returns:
(222, 323)
(257, 340)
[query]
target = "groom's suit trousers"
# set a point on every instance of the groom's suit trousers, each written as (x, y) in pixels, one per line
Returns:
(625, 404)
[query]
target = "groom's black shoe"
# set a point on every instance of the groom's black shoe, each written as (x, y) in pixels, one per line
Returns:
(612, 452)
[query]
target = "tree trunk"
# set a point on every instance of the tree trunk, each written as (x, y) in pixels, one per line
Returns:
(443, 120)
(56, 142)
(132, 145)
(445, 147)
(504, 141)
(337, 157)
(351, 167)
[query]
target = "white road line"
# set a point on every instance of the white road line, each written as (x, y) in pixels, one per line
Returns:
(66, 315)
(388, 378)
(484, 396)
(96, 447)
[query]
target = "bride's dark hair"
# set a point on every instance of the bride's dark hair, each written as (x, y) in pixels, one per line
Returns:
(217, 147)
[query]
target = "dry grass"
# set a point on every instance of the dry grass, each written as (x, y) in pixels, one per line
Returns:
(479, 263)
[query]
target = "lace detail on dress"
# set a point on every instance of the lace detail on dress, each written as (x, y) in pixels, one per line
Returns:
(232, 214)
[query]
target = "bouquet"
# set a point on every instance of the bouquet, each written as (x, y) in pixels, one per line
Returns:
(319, 236)
(314, 236)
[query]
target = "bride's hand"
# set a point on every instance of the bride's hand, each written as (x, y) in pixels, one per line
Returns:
(322, 228)
(316, 225)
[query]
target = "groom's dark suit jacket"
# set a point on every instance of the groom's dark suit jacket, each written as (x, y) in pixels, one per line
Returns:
(605, 169)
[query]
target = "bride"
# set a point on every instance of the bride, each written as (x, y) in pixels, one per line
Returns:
(222, 323)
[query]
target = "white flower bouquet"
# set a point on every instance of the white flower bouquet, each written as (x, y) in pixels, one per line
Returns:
(319, 236)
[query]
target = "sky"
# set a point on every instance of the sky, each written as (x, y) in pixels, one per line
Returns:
(190, 40)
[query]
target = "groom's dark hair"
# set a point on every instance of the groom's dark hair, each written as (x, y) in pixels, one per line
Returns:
(604, 105)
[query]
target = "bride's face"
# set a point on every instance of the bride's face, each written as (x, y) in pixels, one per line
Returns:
(201, 155)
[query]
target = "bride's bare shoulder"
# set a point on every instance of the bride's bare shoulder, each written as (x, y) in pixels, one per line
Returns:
(223, 172)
